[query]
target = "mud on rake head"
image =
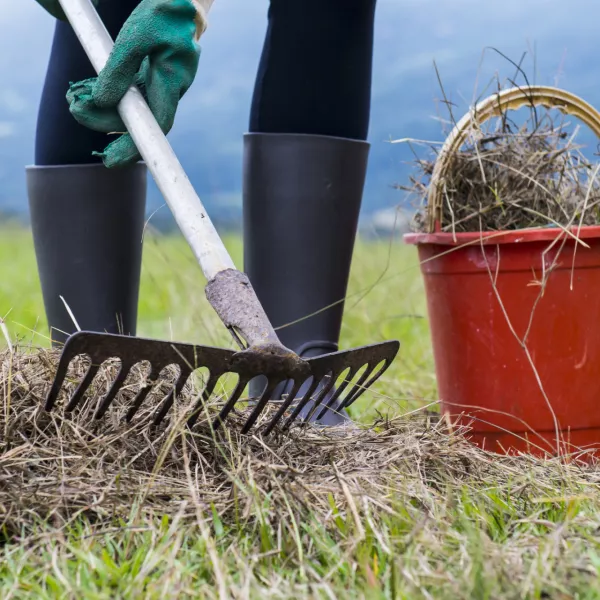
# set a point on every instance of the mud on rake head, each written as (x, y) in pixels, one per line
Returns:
(362, 368)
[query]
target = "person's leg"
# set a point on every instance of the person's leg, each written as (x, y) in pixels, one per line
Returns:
(314, 75)
(87, 221)
(305, 161)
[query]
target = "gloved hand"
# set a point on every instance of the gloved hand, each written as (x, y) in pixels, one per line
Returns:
(156, 49)
(54, 8)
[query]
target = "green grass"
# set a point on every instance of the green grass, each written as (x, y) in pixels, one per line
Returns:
(385, 301)
(450, 524)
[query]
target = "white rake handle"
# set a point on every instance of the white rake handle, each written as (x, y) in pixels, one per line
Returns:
(178, 192)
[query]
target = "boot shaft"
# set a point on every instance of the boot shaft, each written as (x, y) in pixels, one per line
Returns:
(87, 223)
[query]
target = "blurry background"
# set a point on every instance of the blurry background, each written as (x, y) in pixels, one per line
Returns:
(410, 35)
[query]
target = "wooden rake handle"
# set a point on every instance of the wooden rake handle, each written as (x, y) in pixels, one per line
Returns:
(494, 106)
(171, 179)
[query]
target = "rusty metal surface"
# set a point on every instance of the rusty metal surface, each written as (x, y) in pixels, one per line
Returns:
(327, 369)
(270, 360)
(232, 296)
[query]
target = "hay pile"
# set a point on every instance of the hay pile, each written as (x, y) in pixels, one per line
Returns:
(509, 177)
(55, 469)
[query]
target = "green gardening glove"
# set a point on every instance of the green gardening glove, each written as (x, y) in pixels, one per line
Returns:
(156, 50)
(54, 8)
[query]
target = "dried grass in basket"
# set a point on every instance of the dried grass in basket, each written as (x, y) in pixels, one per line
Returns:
(511, 177)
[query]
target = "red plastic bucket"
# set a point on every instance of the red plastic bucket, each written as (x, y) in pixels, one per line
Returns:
(513, 359)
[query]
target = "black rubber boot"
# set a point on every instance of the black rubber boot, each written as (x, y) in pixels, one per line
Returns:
(302, 196)
(87, 223)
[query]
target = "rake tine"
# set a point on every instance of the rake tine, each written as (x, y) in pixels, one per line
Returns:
(138, 401)
(83, 387)
(265, 397)
(114, 390)
(357, 387)
(206, 394)
(321, 396)
(175, 391)
(337, 393)
(142, 394)
(59, 379)
(307, 397)
(284, 407)
(360, 391)
(235, 396)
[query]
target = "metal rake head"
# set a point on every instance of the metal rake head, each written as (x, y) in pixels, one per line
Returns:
(317, 378)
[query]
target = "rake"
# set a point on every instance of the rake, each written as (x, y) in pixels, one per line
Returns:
(229, 292)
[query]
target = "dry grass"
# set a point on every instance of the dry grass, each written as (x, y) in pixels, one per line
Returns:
(57, 466)
(402, 508)
(511, 176)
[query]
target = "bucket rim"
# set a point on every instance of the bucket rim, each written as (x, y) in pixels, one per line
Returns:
(517, 236)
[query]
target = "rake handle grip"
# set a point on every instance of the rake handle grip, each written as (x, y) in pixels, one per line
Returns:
(171, 179)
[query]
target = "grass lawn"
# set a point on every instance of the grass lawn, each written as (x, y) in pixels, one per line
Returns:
(421, 515)
(385, 301)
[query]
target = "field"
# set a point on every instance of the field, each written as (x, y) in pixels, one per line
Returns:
(385, 301)
(438, 519)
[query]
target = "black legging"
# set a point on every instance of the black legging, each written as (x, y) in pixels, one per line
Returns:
(315, 71)
(314, 76)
